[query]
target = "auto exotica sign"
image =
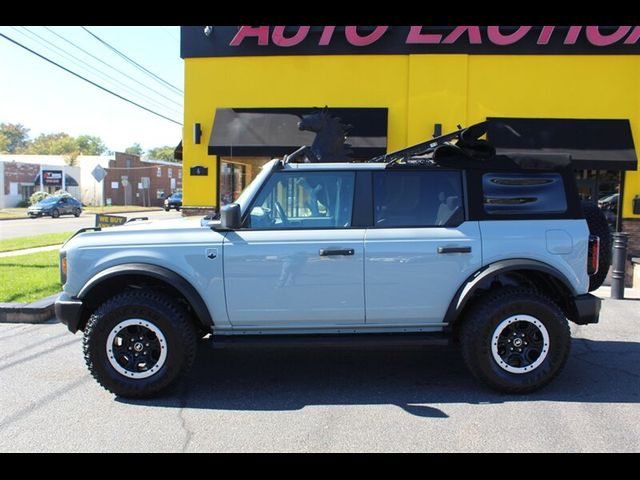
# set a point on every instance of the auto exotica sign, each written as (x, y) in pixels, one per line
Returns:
(331, 40)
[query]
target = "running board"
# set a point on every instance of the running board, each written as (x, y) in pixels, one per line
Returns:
(365, 339)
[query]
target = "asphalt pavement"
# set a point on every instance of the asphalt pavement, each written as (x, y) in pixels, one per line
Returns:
(26, 227)
(324, 399)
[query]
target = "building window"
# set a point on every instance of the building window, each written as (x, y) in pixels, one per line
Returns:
(159, 172)
(128, 163)
(160, 193)
(179, 173)
(170, 170)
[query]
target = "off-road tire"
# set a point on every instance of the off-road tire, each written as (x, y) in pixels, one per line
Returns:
(599, 226)
(55, 213)
(481, 323)
(165, 314)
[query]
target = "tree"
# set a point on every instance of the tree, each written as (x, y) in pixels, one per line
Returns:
(4, 143)
(90, 145)
(53, 144)
(135, 149)
(16, 136)
(162, 153)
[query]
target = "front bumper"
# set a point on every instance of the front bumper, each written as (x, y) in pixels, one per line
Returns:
(69, 311)
(587, 309)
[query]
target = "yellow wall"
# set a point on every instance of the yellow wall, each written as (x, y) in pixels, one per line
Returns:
(418, 90)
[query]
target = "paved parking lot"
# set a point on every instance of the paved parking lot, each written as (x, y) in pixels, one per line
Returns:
(324, 399)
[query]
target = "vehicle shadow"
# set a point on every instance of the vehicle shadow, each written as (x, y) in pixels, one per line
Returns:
(417, 379)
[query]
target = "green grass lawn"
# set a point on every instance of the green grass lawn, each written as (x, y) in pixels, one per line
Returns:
(13, 213)
(35, 241)
(26, 278)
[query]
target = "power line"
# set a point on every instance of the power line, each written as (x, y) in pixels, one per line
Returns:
(133, 62)
(110, 66)
(89, 81)
(101, 74)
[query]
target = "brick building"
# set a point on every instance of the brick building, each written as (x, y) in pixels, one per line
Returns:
(133, 181)
(20, 177)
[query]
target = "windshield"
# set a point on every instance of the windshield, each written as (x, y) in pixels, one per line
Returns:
(248, 193)
(49, 200)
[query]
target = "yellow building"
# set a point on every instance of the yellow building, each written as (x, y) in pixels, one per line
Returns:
(245, 87)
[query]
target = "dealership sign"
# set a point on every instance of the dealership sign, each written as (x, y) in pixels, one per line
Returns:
(52, 178)
(215, 41)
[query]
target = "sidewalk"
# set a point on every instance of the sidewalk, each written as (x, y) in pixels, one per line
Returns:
(25, 251)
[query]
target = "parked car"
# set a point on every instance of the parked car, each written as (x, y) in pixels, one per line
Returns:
(495, 253)
(173, 201)
(610, 202)
(56, 206)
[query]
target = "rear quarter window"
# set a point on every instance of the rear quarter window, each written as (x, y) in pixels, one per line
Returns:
(523, 194)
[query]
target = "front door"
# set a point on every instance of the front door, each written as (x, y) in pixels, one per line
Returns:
(298, 263)
(420, 248)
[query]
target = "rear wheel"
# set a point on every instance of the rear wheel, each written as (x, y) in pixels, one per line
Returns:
(77, 212)
(138, 343)
(599, 226)
(515, 340)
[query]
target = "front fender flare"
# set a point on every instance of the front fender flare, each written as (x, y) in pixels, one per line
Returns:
(157, 272)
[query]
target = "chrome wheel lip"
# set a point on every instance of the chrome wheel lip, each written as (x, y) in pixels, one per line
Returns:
(500, 329)
(142, 323)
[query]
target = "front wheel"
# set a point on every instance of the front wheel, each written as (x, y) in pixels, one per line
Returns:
(138, 343)
(515, 340)
(55, 213)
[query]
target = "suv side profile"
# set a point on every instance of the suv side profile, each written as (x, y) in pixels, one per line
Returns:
(494, 252)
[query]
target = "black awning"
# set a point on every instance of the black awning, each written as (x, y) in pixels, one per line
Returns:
(69, 181)
(592, 143)
(177, 153)
(274, 131)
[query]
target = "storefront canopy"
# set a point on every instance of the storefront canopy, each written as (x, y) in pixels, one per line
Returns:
(69, 180)
(593, 144)
(275, 132)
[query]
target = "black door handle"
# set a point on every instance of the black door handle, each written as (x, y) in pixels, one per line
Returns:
(454, 249)
(343, 251)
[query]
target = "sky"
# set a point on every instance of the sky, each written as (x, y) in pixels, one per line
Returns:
(47, 99)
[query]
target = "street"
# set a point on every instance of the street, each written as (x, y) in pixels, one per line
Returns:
(68, 223)
(324, 399)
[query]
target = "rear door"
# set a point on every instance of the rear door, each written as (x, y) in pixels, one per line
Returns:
(420, 248)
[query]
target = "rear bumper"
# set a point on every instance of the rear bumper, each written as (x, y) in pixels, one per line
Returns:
(68, 311)
(587, 309)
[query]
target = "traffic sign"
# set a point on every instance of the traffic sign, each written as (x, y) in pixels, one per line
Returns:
(99, 173)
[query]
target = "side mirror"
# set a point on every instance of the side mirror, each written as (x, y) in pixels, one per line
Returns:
(230, 218)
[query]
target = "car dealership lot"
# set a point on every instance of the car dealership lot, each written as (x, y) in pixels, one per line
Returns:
(324, 399)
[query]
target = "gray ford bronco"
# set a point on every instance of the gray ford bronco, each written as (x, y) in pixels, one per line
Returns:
(445, 238)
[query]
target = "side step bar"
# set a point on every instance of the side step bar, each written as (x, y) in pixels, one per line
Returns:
(354, 340)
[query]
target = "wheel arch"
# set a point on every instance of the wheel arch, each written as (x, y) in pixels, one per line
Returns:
(545, 278)
(140, 275)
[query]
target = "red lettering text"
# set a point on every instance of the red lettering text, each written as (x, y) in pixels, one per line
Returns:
(280, 40)
(633, 38)
(545, 35)
(327, 33)
(472, 32)
(416, 36)
(596, 38)
(261, 32)
(497, 38)
(358, 41)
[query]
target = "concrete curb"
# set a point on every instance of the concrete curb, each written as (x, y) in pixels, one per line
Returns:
(35, 312)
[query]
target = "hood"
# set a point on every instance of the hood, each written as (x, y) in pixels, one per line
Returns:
(187, 230)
